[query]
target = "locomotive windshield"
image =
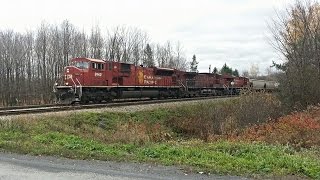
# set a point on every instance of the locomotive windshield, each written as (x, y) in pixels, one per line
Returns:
(81, 64)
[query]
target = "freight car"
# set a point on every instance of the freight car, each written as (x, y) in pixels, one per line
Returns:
(263, 85)
(94, 80)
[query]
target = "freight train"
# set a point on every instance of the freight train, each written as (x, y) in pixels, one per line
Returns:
(93, 80)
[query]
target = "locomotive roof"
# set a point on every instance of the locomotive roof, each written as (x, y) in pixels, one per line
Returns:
(96, 60)
(206, 73)
(164, 69)
(90, 59)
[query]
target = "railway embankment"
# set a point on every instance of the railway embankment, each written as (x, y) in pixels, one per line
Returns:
(246, 136)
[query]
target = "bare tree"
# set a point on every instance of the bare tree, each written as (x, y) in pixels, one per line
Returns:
(180, 57)
(80, 45)
(254, 70)
(245, 73)
(96, 43)
(296, 34)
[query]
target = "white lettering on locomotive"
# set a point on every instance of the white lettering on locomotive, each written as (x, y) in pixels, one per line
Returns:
(149, 82)
(69, 76)
(148, 79)
(98, 74)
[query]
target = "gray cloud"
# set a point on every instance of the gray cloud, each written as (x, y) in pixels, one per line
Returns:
(217, 31)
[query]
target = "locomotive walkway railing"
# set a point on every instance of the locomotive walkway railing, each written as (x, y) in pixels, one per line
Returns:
(80, 88)
(76, 87)
(184, 86)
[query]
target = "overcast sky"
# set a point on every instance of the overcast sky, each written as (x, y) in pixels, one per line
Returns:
(217, 31)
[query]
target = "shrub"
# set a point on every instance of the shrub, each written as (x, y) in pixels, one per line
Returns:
(205, 120)
(300, 129)
(256, 107)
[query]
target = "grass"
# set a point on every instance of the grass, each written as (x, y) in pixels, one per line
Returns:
(166, 136)
(221, 157)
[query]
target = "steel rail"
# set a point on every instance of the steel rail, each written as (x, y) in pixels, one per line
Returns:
(57, 108)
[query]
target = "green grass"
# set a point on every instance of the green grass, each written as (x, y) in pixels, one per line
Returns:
(97, 136)
(220, 157)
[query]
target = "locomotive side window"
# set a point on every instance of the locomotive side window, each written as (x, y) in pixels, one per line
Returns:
(97, 66)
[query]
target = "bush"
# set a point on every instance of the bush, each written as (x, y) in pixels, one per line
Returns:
(225, 117)
(299, 129)
(256, 107)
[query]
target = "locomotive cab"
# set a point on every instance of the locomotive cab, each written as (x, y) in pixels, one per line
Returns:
(87, 72)
(73, 74)
(81, 73)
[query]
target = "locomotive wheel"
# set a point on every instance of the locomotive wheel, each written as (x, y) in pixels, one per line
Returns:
(109, 99)
(97, 100)
(84, 100)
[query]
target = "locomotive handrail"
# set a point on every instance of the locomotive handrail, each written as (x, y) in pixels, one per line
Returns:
(75, 85)
(184, 86)
(80, 88)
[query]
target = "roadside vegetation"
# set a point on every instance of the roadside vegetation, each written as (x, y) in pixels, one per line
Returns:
(222, 137)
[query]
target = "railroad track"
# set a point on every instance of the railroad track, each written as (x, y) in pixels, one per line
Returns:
(55, 108)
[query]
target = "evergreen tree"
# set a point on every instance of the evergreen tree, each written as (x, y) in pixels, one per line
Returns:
(148, 57)
(194, 64)
(235, 73)
(215, 70)
(226, 69)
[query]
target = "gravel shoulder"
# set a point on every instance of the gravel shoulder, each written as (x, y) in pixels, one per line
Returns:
(14, 166)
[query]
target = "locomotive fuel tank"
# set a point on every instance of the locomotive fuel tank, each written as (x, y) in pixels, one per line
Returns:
(140, 94)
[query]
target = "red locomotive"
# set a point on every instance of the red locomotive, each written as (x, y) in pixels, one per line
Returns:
(97, 80)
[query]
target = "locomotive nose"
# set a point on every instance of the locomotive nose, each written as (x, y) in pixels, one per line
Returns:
(69, 76)
(73, 76)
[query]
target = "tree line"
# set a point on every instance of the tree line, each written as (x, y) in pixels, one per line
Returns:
(296, 35)
(31, 62)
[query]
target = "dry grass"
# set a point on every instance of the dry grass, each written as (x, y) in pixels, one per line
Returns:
(299, 129)
(207, 120)
(139, 132)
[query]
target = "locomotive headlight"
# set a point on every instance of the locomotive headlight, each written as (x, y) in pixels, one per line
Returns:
(56, 84)
(67, 70)
(67, 83)
(232, 83)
